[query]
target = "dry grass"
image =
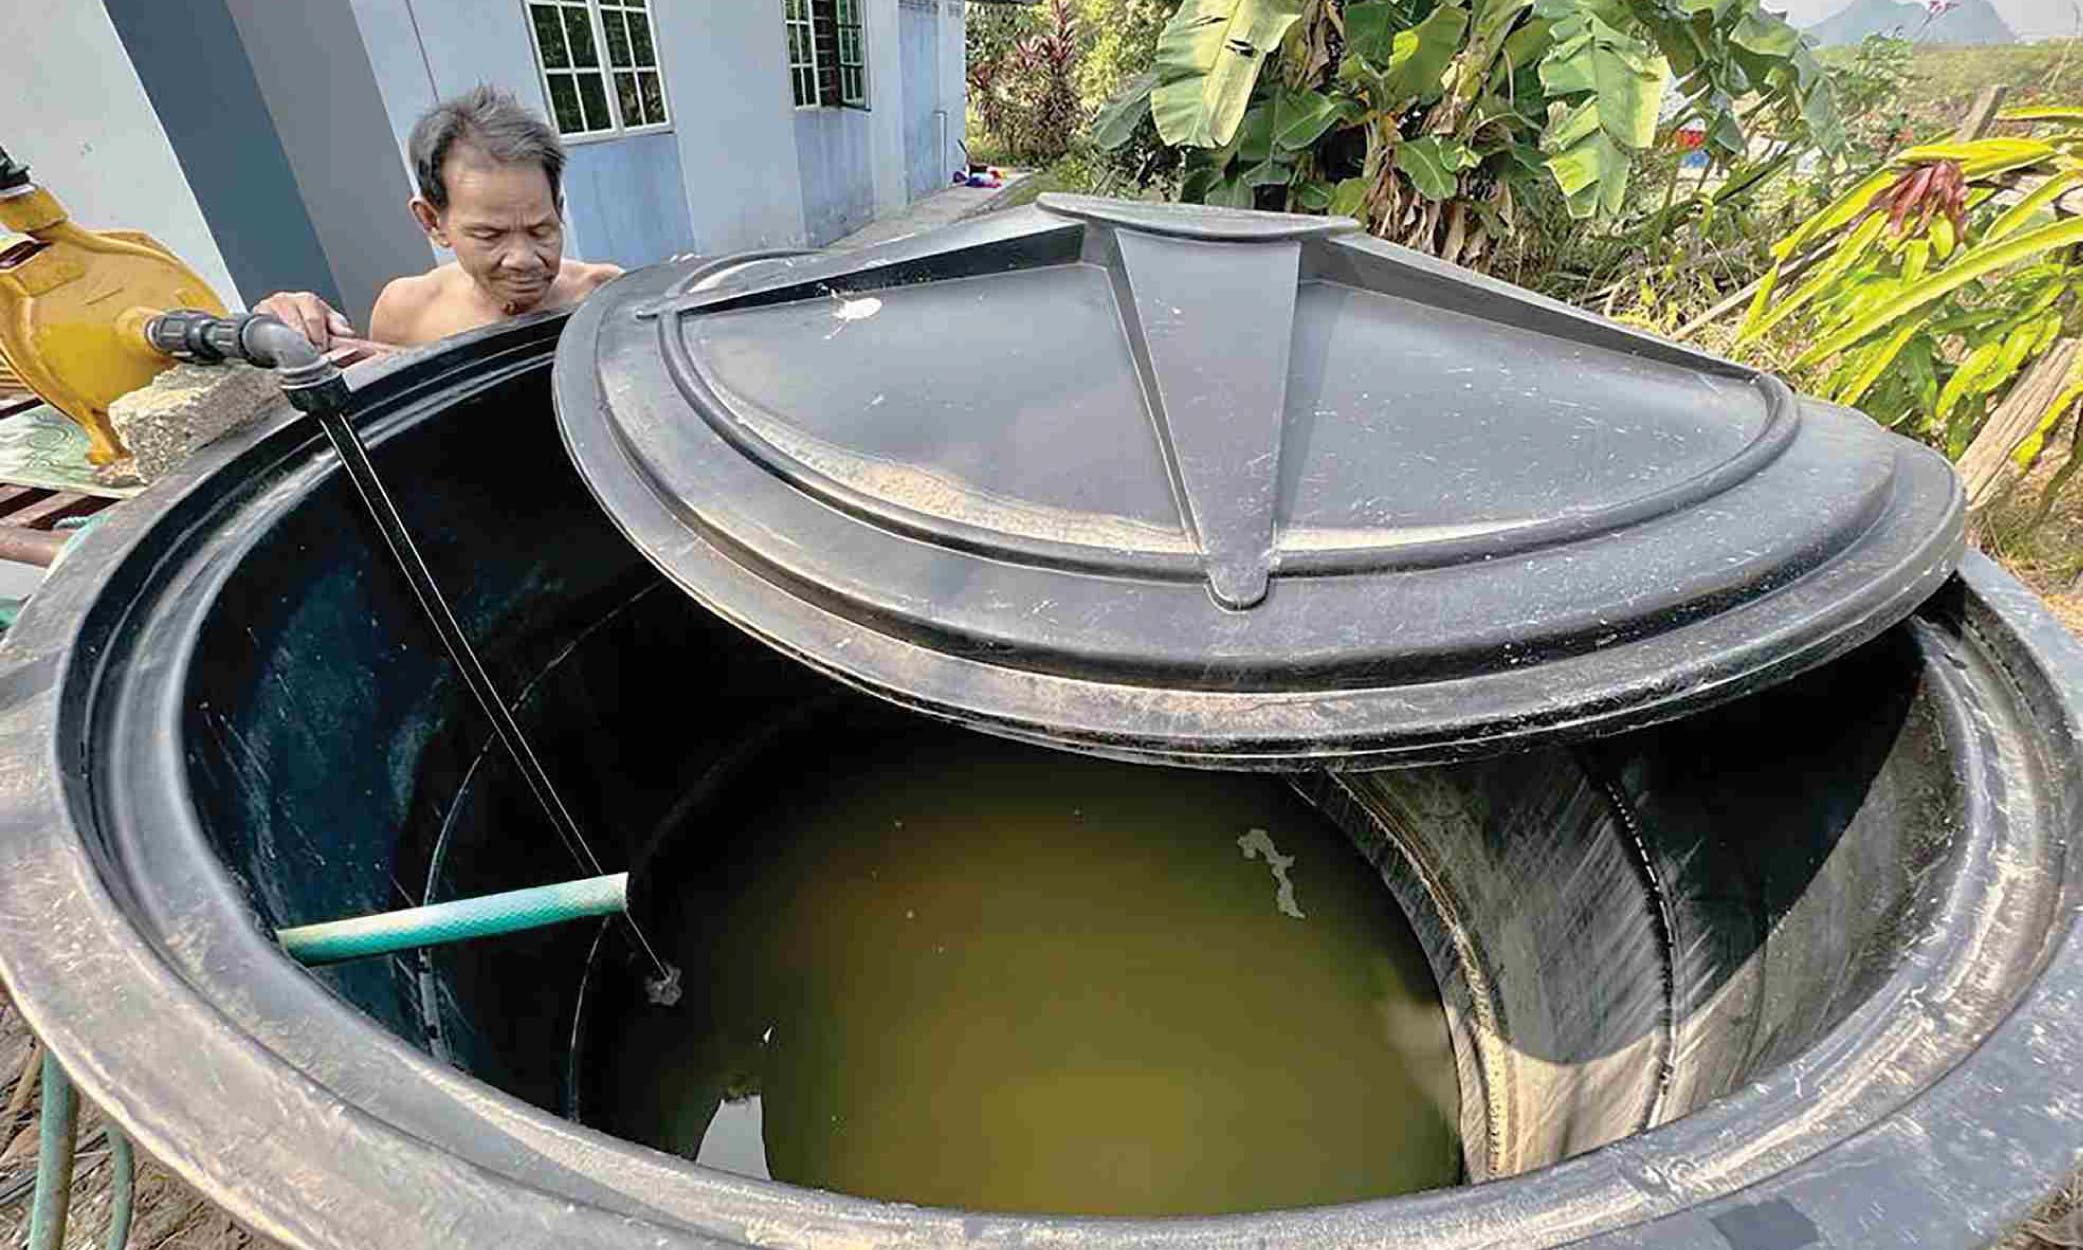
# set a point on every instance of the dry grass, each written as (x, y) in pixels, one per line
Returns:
(2058, 1223)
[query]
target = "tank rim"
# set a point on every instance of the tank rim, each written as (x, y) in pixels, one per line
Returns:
(101, 992)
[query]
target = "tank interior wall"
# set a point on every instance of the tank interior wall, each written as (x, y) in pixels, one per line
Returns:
(1627, 930)
(1621, 931)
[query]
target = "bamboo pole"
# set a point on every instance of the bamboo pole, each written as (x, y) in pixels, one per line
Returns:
(1985, 468)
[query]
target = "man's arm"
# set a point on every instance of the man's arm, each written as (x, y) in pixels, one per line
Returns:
(320, 321)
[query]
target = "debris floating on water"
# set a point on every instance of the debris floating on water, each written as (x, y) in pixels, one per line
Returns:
(1258, 843)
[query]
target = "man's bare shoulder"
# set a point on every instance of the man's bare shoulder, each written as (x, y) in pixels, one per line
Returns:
(593, 275)
(404, 302)
(576, 279)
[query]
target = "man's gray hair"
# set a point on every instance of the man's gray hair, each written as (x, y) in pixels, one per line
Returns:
(491, 122)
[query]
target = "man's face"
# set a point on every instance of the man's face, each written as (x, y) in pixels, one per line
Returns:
(503, 226)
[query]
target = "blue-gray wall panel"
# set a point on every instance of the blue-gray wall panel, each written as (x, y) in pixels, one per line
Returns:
(625, 202)
(918, 33)
(308, 58)
(194, 69)
(832, 156)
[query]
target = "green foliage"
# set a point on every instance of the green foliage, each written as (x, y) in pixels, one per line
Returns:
(1929, 288)
(1023, 69)
(1436, 120)
(1870, 80)
(1122, 42)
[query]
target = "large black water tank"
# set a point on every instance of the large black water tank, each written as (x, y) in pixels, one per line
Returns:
(1794, 969)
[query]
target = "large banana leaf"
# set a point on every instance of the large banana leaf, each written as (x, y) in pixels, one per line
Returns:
(1434, 164)
(1620, 81)
(1370, 30)
(1208, 59)
(1419, 56)
(1490, 23)
(1589, 168)
(1301, 117)
(1765, 34)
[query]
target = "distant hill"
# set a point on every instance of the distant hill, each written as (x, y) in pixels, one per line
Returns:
(1969, 21)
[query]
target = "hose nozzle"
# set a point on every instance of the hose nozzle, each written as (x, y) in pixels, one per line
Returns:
(312, 383)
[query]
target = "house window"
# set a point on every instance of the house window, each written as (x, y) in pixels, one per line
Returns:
(802, 51)
(827, 61)
(599, 65)
(853, 73)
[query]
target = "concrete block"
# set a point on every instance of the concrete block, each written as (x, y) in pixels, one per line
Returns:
(186, 407)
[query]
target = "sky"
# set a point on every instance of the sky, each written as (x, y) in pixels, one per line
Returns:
(2032, 19)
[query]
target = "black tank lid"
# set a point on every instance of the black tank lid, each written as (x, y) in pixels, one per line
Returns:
(1232, 488)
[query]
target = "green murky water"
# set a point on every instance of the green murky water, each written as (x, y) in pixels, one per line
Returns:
(949, 970)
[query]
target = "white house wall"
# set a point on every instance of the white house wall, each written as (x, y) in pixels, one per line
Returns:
(739, 168)
(457, 44)
(78, 115)
(726, 64)
(726, 80)
(931, 32)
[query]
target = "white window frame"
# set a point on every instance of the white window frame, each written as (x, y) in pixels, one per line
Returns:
(858, 27)
(807, 24)
(815, 66)
(616, 128)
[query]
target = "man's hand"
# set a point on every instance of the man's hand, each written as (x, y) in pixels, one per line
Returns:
(320, 321)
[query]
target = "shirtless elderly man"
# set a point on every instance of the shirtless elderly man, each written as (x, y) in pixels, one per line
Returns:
(490, 190)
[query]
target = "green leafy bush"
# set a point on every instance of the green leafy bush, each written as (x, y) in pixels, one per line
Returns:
(1927, 289)
(1432, 119)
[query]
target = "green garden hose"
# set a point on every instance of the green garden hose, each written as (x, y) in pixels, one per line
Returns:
(54, 1138)
(515, 910)
(329, 942)
(122, 1187)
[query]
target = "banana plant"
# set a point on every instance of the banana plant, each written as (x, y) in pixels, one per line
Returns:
(1208, 61)
(1429, 119)
(1933, 284)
